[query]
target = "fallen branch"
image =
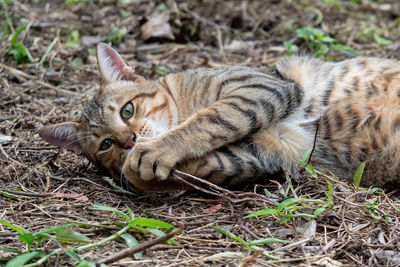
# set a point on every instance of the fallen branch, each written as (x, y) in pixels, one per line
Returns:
(140, 247)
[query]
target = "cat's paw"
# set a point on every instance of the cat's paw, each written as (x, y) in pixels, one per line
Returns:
(151, 159)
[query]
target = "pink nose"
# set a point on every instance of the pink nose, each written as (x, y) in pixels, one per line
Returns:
(130, 142)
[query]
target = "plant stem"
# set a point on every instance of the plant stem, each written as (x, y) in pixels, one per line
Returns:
(57, 251)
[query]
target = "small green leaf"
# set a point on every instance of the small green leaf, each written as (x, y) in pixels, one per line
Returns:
(12, 250)
(27, 238)
(319, 211)
(381, 41)
(77, 61)
(86, 264)
(16, 34)
(310, 169)
(288, 202)
(74, 40)
(131, 241)
(68, 235)
(131, 214)
(153, 223)
(57, 228)
(305, 157)
(358, 174)
(291, 208)
(261, 212)
(375, 191)
(72, 254)
(116, 35)
(12, 196)
(107, 208)
(160, 70)
(329, 194)
(268, 241)
(24, 258)
(290, 216)
(14, 227)
(234, 237)
(344, 50)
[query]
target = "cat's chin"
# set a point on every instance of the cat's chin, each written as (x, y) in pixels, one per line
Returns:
(167, 185)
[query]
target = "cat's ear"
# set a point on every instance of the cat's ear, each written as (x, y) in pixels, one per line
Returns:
(64, 135)
(112, 66)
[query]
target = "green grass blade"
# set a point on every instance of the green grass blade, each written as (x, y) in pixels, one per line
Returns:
(14, 227)
(358, 174)
(57, 228)
(97, 206)
(15, 35)
(68, 235)
(268, 241)
(261, 212)
(49, 48)
(153, 223)
(72, 254)
(290, 201)
(24, 258)
(131, 214)
(232, 236)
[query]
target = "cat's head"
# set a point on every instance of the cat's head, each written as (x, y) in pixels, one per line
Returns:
(126, 107)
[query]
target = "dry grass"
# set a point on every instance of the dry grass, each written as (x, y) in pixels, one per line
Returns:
(352, 233)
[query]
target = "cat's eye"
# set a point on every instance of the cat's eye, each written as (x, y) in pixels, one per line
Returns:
(127, 111)
(106, 144)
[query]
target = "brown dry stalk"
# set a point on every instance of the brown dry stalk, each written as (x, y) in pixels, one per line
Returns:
(193, 181)
(140, 247)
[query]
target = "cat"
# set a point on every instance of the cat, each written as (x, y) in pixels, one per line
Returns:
(232, 124)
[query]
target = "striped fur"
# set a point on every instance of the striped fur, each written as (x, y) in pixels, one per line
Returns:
(232, 124)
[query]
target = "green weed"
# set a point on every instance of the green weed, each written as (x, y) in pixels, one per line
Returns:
(287, 208)
(252, 246)
(304, 162)
(317, 41)
(358, 175)
(18, 50)
(64, 234)
(116, 35)
(74, 40)
(160, 70)
(381, 41)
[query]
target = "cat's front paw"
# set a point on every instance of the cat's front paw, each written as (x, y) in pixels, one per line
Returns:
(151, 158)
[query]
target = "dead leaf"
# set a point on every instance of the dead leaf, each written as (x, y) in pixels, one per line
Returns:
(213, 209)
(157, 26)
(252, 257)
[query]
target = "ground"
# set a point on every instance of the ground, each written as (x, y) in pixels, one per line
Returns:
(42, 186)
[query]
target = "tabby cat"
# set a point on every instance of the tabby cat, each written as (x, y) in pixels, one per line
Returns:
(232, 124)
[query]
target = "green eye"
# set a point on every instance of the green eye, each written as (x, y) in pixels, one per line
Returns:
(107, 143)
(127, 111)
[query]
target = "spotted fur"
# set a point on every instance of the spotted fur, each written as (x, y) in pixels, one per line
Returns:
(232, 124)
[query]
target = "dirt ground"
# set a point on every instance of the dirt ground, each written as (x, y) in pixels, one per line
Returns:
(53, 187)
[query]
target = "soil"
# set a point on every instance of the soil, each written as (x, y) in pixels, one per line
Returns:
(52, 186)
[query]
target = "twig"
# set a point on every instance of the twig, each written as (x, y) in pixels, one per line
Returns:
(26, 194)
(315, 142)
(232, 197)
(142, 246)
(31, 77)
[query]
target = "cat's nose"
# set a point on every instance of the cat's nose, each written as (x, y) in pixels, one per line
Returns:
(130, 142)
